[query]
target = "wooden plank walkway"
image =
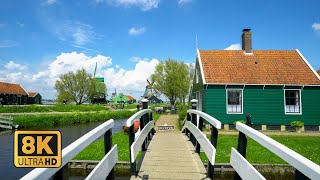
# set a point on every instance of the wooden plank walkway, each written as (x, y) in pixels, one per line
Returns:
(170, 156)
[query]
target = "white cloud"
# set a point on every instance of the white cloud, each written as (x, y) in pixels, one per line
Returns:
(77, 32)
(183, 2)
(236, 46)
(316, 26)
(11, 65)
(8, 43)
(49, 2)
(144, 5)
(136, 31)
(137, 59)
(131, 82)
(128, 81)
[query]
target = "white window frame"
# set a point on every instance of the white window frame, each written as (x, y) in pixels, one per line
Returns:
(300, 102)
(241, 101)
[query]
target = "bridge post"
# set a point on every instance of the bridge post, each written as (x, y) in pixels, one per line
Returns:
(300, 176)
(62, 174)
(214, 140)
(151, 118)
(143, 122)
(107, 148)
(133, 167)
(194, 120)
(242, 147)
(186, 130)
(200, 128)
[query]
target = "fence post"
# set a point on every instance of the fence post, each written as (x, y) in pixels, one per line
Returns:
(242, 147)
(187, 130)
(194, 120)
(133, 167)
(153, 130)
(200, 128)
(144, 122)
(107, 148)
(214, 140)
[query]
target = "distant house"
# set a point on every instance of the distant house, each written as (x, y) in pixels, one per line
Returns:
(154, 100)
(12, 94)
(275, 87)
(131, 99)
(125, 98)
(34, 98)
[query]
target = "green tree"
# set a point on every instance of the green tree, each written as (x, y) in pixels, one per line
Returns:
(172, 79)
(98, 90)
(75, 87)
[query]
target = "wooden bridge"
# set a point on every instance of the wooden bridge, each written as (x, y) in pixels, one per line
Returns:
(175, 155)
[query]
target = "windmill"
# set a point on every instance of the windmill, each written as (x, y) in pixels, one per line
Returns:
(148, 91)
(100, 98)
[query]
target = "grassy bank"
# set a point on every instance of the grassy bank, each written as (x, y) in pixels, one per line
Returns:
(51, 120)
(306, 146)
(51, 108)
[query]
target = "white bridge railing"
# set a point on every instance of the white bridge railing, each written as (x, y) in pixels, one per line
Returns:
(194, 125)
(7, 122)
(101, 171)
(138, 141)
(244, 170)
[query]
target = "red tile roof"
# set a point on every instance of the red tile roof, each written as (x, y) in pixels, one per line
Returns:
(8, 88)
(32, 94)
(261, 67)
(318, 71)
(130, 97)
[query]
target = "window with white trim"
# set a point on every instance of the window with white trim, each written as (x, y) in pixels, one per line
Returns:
(234, 101)
(292, 101)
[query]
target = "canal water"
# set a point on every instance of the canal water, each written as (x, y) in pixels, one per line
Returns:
(69, 135)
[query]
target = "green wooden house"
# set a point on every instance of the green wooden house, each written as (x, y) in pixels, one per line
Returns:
(125, 98)
(275, 87)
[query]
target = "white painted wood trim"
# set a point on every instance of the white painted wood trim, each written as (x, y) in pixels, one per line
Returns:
(204, 142)
(213, 121)
(304, 165)
(201, 68)
(104, 167)
(284, 99)
(227, 101)
(136, 116)
(136, 145)
(70, 151)
(306, 61)
(243, 167)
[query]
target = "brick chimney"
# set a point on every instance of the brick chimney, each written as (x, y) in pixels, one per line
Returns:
(246, 41)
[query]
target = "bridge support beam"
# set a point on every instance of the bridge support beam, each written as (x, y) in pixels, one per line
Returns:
(194, 120)
(143, 122)
(200, 128)
(214, 140)
(107, 148)
(242, 148)
(133, 167)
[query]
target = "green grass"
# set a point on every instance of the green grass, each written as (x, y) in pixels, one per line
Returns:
(52, 108)
(307, 146)
(51, 120)
(120, 138)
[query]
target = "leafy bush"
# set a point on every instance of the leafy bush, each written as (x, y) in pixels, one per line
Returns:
(242, 121)
(297, 124)
(182, 110)
(52, 108)
(51, 120)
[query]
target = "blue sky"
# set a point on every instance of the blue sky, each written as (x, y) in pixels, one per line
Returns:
(41, 39)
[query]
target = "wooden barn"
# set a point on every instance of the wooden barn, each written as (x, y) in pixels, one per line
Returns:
(275, 87)
(34, 98)
(12, 94)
